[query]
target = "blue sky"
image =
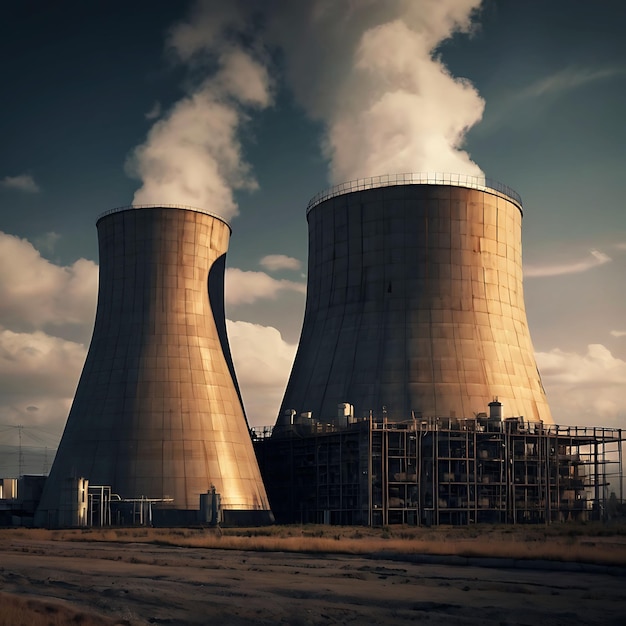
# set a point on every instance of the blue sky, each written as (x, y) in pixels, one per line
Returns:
(543, 97)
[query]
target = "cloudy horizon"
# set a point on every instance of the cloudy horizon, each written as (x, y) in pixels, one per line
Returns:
(252, 112)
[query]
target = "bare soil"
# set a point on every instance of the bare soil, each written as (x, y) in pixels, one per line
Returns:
(136, 583)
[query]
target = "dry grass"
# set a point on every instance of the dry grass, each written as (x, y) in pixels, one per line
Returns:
(584, 543)
(24, 611)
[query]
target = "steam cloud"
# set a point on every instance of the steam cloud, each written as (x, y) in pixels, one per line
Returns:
(368, 71)
(193, 155)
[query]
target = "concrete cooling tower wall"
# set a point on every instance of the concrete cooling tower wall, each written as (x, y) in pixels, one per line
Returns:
(415, 303)
(157, 413)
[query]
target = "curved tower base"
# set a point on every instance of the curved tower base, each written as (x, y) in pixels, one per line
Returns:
(414, 308)
(157, 415)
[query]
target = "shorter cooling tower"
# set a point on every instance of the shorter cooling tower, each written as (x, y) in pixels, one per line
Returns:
(414, 303)
(157, 414)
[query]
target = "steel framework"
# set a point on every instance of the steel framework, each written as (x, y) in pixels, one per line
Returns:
(435, 471)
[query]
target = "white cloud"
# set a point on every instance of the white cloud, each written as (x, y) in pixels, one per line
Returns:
(275, 262)
(36, 294)
(39, 364)
(193, 154)
(524, 105)
(369, 71)
(596, 259)
(262, 362)
(585, 389)
(618, 333)
(244, 287)
(38, 378)
(39, 369)
(23, 182)
(42, 304)
(46, 319)
(567, 79)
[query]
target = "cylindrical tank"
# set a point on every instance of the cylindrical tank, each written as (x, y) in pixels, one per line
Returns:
(415, 302)
(157, 411)
(495, 410)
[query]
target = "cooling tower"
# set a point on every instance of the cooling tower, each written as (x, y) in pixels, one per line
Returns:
(414, 303)
(157, 412)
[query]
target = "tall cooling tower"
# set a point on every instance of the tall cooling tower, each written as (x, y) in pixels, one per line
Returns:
(157, 413)
(415, 303)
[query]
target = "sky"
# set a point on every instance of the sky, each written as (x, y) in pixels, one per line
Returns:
(249, 108)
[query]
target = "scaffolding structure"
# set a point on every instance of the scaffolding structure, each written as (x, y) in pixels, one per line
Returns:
(431, 471)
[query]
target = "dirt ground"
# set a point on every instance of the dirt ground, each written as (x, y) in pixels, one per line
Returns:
(150, 584)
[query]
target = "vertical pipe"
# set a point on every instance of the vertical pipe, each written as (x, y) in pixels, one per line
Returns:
(369, 472)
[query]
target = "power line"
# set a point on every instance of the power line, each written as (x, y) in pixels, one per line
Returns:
(20, 458)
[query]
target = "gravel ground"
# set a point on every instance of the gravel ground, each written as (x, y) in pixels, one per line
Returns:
(150, 584)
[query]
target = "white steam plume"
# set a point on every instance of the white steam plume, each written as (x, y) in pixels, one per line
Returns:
(193, 154)
(369, 71)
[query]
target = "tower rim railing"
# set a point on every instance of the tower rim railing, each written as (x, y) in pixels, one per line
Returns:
(481, 183)
(185, 207)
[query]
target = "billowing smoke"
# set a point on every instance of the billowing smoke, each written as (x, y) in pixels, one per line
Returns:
(369, 71)
(193, 155)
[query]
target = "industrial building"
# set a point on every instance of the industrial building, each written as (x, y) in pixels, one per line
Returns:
(19, 498)
(441, 470)
(157, 425)
(414, 339)
(414, 397)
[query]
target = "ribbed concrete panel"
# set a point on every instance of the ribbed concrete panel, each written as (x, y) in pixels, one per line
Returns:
(415, 303)
(157, 412)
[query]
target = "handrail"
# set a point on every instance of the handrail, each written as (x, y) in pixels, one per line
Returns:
(416, 178)
(162, 206)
